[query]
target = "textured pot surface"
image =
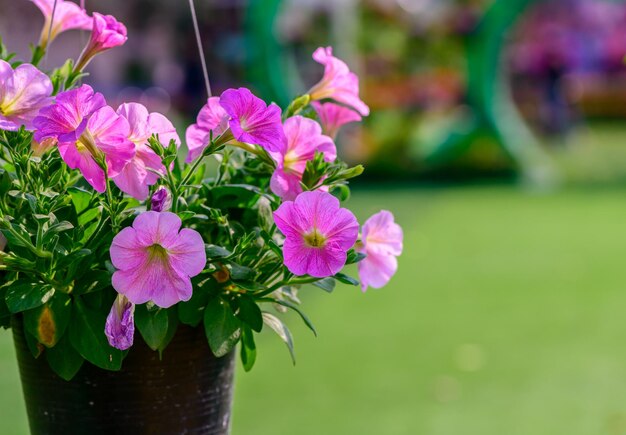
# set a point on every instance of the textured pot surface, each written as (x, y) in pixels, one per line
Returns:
(189, 391)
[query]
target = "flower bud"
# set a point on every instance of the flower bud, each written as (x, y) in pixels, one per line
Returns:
(106, 33)
(161, 200)
(120, 324)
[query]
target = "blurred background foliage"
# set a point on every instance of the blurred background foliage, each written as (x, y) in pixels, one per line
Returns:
(506, 316)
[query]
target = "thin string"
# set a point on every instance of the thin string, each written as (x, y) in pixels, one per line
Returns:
(54, 9)
(200, 49)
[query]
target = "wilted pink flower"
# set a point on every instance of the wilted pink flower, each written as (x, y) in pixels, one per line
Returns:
(333, 117)
(338, 83)
(67, 16)
(161, 200)
(304, 139)
(382, 243)
(252, 121)
(211, 118)
(106, 33)
(138, 174)
(120, 325)
(156, 262)
(23, 91)
(318, 233)
(86, 130)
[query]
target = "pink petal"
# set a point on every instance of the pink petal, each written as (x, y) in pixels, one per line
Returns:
(133, 179)
(110, 132)
(333, 116)
(157, 228)
(187, 253)
(252, 121)
(127, 252)
(84, 162)
(376, 270)
(338, 82)
(158, 283)
(286, 185)
(381, 234)
(318, 262)
(137, 116)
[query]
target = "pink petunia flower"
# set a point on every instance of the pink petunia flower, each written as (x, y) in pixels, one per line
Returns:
(333, 117)
(382, 243)
(318, 233)
(67, 16)
(155, 261)
(212, 118)
(139, 173)
(106, 33)
(252, 121)
(338, 83)
(86, 130)
(23, 91)
(120, 324)
(304, 139)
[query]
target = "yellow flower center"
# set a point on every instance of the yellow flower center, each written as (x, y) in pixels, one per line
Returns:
(315, 239)
(157, 253)
(86, 143)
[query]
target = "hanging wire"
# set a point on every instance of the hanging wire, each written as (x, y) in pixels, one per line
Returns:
(54, 9)
(205, 71)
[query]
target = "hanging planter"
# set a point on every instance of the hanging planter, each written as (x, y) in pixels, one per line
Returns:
(188, 390)
(129, 277)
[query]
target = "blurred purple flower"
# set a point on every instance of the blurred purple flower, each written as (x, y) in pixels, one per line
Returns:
(120, 323)
(382, 243)
(23, 91)
(338, 83)
(67, 15)
(333, 117)
(318, 233)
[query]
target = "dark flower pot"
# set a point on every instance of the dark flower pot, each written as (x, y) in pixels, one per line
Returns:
(189, 391)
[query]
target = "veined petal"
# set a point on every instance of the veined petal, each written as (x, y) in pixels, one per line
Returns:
(187, 252)
(157, 228)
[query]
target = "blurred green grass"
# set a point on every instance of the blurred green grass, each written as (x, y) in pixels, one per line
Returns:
(506, 317)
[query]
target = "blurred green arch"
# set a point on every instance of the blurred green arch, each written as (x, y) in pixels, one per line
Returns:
(489, 99)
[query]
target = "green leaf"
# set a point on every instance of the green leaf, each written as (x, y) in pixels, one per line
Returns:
(297, 309)
(221, 326)
(81, 200)
(26, 296)
(248, 349)
(172, 327)
(63, 359)
(354, 257)
(342, 277)
(250, 313)
(36, 348)
(152, 325)
(48, 322)
(191, 312)
(241, 273)
(326, 284)
(214, 251)
(282, 331)
(86, 333)
(94, 280)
